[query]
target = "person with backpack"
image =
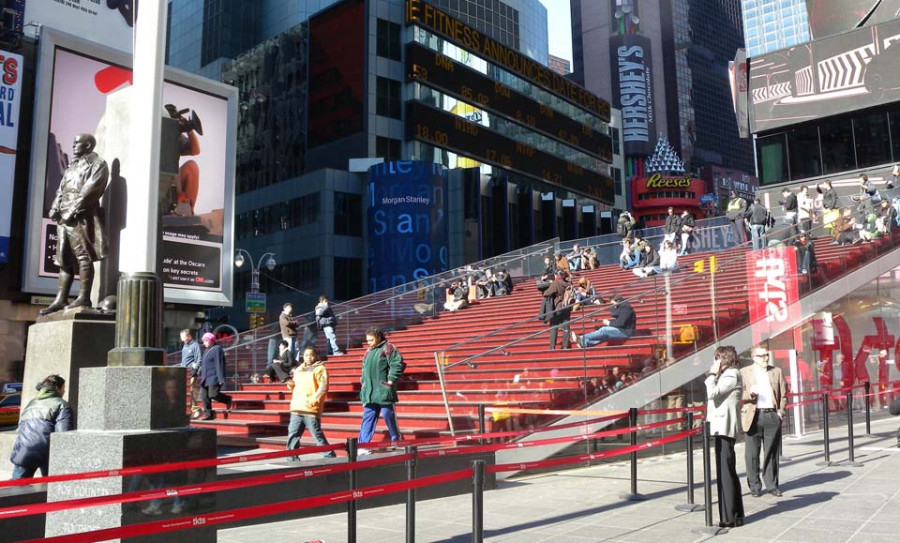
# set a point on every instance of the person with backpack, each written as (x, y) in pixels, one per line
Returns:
(326, 321)
(621, 326)
(382, 367)
(625, 225)
(558, 300)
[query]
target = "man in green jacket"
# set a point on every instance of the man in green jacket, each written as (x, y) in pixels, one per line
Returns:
(382, 367)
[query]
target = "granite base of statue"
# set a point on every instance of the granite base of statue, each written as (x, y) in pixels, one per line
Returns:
(133, 410)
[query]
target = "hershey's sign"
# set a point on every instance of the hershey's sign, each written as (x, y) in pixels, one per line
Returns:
(633, 92)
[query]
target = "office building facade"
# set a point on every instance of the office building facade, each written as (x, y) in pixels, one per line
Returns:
(774, 24)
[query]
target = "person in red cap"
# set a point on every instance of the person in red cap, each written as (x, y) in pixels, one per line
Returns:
(212, 376)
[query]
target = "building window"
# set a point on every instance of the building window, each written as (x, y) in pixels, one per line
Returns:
(387, 148)
(347, 214)
(348, 278)
(388, 97)
(299, 274)
(873, 144)
(388, 40)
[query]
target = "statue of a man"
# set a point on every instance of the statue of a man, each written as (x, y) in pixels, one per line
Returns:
(76, 209)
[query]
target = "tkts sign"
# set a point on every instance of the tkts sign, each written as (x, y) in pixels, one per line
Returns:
(772, 289)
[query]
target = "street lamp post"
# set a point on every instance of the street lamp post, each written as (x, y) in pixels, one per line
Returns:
(254, 270)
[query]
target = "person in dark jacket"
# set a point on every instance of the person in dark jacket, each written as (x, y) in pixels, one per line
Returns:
(673, 225)
(625, 225)
(212, 376)
(289, 324)
(687, 231)
(326, 322)
(621, 326)
(381, 368)
(829, 195)
(649, 262)
(806, 254)
(758, 216)
(735, 212)
(45, 414)
(554, 312)
(279, 369)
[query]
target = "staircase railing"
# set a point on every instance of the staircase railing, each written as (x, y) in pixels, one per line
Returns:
(680, 314)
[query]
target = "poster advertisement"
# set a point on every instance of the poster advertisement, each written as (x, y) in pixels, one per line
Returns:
(76, 82)
(85, 17)
(10, 102)
(772, 290)
(632, 91)
(408, 230)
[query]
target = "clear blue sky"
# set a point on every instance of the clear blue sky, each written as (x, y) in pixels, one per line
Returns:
(559, 26)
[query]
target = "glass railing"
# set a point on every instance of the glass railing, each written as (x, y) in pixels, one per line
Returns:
(679, 316)
(392, 309)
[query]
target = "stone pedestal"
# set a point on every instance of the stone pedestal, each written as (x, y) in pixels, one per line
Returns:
(64, 343)
(131, 416)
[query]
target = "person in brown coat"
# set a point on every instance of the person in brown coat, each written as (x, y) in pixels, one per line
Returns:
(765, 399)
(555, 312)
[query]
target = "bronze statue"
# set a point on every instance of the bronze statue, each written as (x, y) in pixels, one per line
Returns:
(76, 210)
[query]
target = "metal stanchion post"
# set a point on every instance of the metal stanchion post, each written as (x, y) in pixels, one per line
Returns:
(825, 432)
(709, 528)
(690, 506)
(351, 505)
(868, 388)
(411, 497)
(633, 496)
(478, 501)
(482, 424)
(851, 462)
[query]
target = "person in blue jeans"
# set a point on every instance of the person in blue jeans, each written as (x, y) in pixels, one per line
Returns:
(621, 326)
(308, 386)
(382, 367)
(326, 321)
(48, 412)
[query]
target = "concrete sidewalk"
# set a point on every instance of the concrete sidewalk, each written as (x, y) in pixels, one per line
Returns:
(820, 504)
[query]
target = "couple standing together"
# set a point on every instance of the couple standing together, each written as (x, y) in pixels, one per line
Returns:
(751, 400)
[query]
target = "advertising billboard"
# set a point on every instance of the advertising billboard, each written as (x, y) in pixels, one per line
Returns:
(827, 17)
(10, 102)
(632, 91)
(847, 72)
(75, 79)
(408, 228)
(772, 290)
(86, 17)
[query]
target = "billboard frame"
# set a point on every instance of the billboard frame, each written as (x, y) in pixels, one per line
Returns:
(50, 41)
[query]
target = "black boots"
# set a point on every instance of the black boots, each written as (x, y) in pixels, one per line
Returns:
(62, 294)
(85, 280)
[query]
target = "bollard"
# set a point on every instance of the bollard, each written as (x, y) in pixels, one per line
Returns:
(825, 417)
(411, 497)
(851, 462)
(633, 496)
(351, 505)
(478, 501)
(482, 424)
(868, 388)
(690, 506)
(707, 476)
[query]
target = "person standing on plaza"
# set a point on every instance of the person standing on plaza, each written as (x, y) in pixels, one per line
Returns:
(308, 386)
(723, 391)
(382, 366)
(48, 412)
(765, 398)
(212, 376)
(289, 324)
(737, 208)
(326, 321)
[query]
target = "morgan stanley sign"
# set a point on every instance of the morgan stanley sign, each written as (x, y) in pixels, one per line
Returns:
(633, 92)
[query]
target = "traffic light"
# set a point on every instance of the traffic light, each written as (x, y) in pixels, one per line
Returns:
(260, 319)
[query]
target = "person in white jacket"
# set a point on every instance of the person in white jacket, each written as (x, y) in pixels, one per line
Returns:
(723, 389)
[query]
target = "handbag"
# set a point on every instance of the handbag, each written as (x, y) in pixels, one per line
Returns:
(831, 216)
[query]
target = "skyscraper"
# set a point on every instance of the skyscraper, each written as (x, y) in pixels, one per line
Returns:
(774, 24)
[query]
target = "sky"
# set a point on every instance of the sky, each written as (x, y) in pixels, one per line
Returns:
(559, 26)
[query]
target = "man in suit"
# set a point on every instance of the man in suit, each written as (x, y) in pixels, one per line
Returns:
(765, 398)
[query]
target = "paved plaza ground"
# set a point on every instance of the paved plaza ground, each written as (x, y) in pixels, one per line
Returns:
(820, 504)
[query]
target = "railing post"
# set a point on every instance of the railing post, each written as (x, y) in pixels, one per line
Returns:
(351, 505)
(478, 501)
(482, 424)
(707, 476)
(633, 496)
(825, 431)
(851, 462)
(411, 496)
(690, 506)
(868, 388)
